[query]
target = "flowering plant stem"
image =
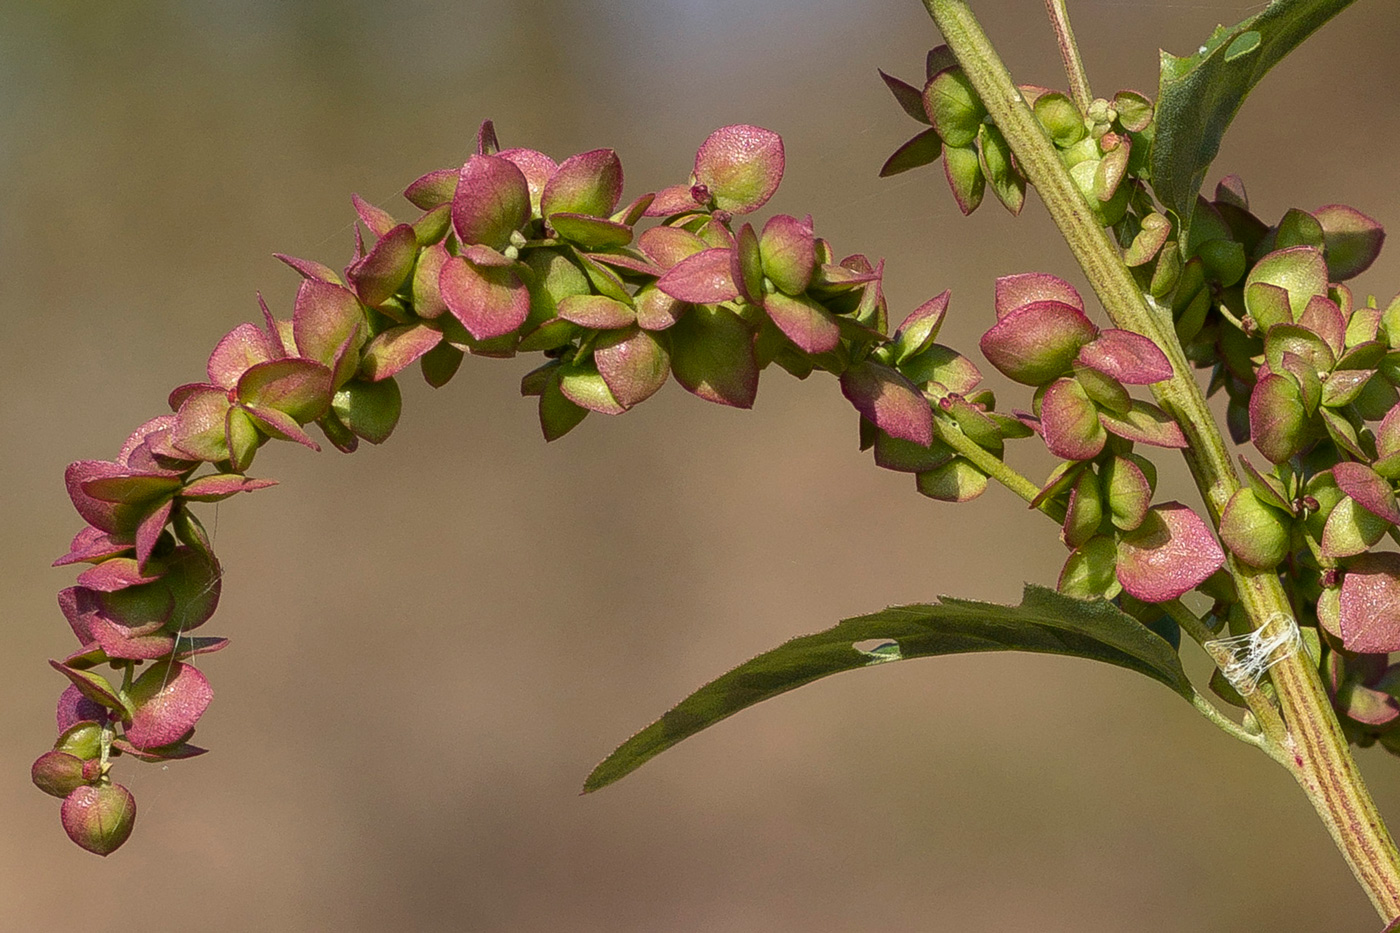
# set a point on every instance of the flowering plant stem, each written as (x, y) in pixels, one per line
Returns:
(1312, 745)
(1069, 54)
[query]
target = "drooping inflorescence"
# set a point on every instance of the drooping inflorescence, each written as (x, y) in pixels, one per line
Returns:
(514, 253)
(511, 253)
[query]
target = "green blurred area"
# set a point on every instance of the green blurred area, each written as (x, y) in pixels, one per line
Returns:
(434, 642)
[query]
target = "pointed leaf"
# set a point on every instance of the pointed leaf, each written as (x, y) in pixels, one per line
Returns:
(440, 364)
(91, 546)
(999, 168)
(923, 149)
(677, 199)
(1299, 270)
(148, 533)
(433, 189)
(243, 438)
(558, 415)
(95, 688)
(309, 269)
(217, 486)
(131, 488)
(118, 573)
(953, 107)
(591, 233)
(199, 429)
(1353, 240)
(1045, 622)
(1090, 571)
(908, 96)
(1128, 491)
(325, 316)
(1368, 488)
(1254, 532)
(596, 312)
(1350, 529)
(1277, 421)
(657, 310)
(667, 246)
(920, 329)
(788, 249)
(369, 409)
(583, 385)
(1069, 422)
(1199, 95)
(962, 167)
(537, 168)
(1145, 424)
(240, 348)
(746, 265)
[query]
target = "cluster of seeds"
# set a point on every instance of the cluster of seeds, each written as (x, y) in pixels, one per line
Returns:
(510, 253)
(1310, 374)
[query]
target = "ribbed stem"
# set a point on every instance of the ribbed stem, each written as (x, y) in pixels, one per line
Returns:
(1069, 54)
(1318, 758)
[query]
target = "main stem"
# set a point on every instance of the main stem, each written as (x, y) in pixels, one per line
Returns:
(1316, 749)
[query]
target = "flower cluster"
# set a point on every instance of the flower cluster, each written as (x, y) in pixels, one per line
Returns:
(1311, 379)
(1310, 374)
(1101, 149)
(1082, 410)
(510, 253)
(514, 252)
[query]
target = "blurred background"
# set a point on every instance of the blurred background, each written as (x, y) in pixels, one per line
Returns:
(434, 642)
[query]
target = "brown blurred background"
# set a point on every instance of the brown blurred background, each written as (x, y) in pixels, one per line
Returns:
(434, 642)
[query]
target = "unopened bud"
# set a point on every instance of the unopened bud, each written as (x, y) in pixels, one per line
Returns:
(99, 818)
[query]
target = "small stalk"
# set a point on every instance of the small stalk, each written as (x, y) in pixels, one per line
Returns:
(1189, 622)
(986, 461)
(1069, 54)
(1233, 729)
(951, 434)
(1317, 753)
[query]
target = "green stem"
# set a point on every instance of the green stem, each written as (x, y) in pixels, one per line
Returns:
(949, 433)
(1069, 54)
(1190, 623)
(1274, 737)
(1233, 729)
(1317, 752)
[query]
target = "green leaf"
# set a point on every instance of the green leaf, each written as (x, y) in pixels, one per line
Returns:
(1199, 95)
(1044, 622)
